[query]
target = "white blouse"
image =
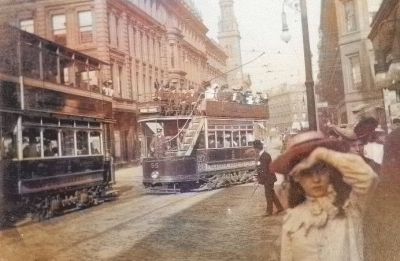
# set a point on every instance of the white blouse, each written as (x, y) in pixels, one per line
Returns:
(313, 231)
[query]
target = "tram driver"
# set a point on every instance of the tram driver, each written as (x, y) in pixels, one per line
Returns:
(158, 145)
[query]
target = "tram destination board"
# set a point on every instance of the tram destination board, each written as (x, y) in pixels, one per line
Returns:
(236, 110)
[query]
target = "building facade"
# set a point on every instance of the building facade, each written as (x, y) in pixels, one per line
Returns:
(146, 43)
(356, 54)
(385, 36)
(287, 108)
(330, 89)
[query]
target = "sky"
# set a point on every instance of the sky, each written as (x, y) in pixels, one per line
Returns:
(260, 25)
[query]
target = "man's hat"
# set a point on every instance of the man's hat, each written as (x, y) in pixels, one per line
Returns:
(300, 146)
(257, 144)
(365, 126)
(344, 133)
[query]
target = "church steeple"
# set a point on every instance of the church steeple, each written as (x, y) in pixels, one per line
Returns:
(229, 39)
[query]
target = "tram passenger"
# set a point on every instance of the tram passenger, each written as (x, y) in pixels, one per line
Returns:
(158, 145)
(31, 150)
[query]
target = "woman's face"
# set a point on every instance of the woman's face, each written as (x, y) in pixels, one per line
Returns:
(314, 181)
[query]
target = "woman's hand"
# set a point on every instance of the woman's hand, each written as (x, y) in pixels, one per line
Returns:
(315, 157)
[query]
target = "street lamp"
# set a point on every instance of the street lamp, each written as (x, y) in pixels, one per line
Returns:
(312, 117)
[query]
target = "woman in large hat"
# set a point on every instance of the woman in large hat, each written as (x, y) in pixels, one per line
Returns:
(327, 196)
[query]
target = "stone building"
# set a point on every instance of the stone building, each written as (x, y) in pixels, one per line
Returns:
(330, 89)
(356, 54)
(146, 43)
(385, 36)
(287, 106)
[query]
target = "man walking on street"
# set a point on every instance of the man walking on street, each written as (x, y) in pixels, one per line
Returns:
(267, 178)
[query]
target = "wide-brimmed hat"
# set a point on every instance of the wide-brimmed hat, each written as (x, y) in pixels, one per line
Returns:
(344, 133)
(300, 146)
(365, 126)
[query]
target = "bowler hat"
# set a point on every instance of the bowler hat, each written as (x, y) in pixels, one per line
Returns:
(365, 126)
(300, 146)
(257, 144)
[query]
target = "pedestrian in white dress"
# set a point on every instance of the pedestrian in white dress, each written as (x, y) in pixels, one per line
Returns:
(327, 197)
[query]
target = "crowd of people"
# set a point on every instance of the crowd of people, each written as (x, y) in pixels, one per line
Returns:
(343, 194)
(191, 101)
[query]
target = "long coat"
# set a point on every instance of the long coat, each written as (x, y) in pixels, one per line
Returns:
(264, 175)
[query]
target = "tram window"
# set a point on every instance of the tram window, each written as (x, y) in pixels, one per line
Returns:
(211, 140)
(236, 140)
(50, 121)
(236, 127)
(7, 146)
(31, 143)
(67, 123)
(228, 139)
(67, 143)
(82, 143)
(250, 138)
(50, 142)
(242, 127)
(31, 119)
(212, 127)
(95, 142)
(95, 124)
(220, 139)
(220, 127)
(243, 139)
(82, 124)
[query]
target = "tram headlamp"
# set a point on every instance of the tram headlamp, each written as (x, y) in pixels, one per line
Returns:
(155, 174)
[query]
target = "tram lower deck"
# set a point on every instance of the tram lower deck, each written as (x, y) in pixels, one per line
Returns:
(200, 152)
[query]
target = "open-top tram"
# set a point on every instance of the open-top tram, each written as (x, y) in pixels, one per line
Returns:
(55, 129)
(206, 150)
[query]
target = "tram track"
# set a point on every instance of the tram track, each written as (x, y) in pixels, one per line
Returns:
(129, 218)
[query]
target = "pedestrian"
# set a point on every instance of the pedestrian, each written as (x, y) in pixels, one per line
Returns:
(365, 131)
(356, 143)
(382, 228)
(266, 178)
(327, 195)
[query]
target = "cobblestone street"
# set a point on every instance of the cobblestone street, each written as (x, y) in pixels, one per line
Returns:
(223, 224)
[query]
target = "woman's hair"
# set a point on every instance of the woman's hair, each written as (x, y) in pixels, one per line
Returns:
(297, 195)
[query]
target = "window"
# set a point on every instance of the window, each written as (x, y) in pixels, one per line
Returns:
(220, 139)
(85, 27)
(67, 143)
(59, 29)
(120, 71)
(211, 140)
(82, 145)
(27, 25)
(95, 143)
(50, 142)
(350, 16)
(31, 143)
(355, 71)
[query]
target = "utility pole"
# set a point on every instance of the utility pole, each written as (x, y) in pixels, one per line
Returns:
(312, 118)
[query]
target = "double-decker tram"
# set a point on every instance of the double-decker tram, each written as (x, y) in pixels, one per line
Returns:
(210, 147)
(55, 129)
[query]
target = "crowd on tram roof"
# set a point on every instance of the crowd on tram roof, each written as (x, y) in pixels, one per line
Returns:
(186, 101)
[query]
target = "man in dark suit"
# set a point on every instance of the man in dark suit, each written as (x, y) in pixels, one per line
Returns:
(267, 178)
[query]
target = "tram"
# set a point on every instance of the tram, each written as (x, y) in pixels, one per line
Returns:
(55, 129)
(205, 149)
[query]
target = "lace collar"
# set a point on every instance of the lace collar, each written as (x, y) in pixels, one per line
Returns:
(313, 212)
